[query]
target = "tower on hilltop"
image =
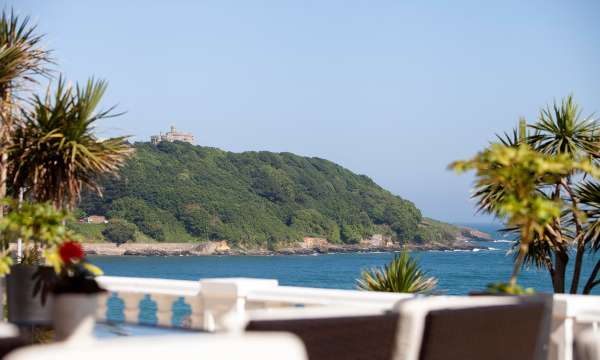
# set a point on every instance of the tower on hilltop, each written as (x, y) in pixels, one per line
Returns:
(173, 135)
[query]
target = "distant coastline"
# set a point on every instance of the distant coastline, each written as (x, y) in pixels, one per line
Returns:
(467, 240)
(189, 249)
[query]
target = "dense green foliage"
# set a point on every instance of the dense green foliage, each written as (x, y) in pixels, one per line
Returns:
(119, 231)
(90, 232)
(402, 275)
(179, 192)
(433, 231)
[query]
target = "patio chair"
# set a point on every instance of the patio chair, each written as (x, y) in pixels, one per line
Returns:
(327, 335)
(182, 347)
(472, 328)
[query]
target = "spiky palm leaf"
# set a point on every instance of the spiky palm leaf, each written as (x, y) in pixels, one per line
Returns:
(540, 251)
(56, 153)
(402, 275)
(588, 193)
(22, 57)
(561, 129)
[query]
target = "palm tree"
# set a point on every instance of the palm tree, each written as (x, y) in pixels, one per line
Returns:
(560, 132)
(22, 59)
(588, 194)
(561, 129)
(56, 153)
(402, 275)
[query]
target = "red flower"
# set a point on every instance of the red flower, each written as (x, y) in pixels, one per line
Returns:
(69, 251)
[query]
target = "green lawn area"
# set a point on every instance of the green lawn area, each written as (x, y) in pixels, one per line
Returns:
(92, 233)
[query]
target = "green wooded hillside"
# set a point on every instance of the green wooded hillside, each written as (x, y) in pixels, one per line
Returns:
(175, 192)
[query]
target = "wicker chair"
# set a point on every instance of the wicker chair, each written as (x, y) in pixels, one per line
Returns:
(471, 328)
(341, 337)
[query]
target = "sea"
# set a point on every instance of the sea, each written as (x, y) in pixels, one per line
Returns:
(458, 272)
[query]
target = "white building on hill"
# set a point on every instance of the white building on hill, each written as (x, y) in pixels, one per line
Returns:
(173, 135)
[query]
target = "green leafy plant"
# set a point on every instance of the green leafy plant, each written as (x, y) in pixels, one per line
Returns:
(542, 185)
(39, 225)
(403, 275)
(503, 288)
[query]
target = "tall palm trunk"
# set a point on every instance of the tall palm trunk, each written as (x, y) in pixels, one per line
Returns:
(558, 275)
(561, 257)
(523, 248)
(5, 131)
(578, 265)
(579, 238)
(3, 177)
(591, 282)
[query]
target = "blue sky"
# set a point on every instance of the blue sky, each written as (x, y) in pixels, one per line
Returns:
(395, 90)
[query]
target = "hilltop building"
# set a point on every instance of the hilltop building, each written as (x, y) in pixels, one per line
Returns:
(171, 136)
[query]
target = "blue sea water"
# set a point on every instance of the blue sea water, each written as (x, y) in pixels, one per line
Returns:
(459, 272)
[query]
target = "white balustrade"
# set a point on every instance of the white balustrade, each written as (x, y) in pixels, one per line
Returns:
(102, 305)
(570, 315)
(225, 304)
(301, 296)
(219, 304)
(162, 291)
(224, 300)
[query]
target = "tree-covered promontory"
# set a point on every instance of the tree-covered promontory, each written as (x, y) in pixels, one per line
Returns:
(176, 192)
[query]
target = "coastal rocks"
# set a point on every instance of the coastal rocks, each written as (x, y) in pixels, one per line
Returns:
(313, 242)
(378, 240)
(203, 249)
(211, 247)
(472, 234)
(157, 252)
(308, 246)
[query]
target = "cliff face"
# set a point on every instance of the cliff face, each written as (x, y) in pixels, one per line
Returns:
(473, 234)
(177, 192)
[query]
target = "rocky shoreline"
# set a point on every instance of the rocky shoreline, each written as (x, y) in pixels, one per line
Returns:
(203, 249)
(465, 240)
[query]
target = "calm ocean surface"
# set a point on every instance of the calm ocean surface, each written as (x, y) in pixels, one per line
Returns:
(459, 272)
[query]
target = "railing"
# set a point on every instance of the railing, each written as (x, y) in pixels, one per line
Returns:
(126, 298)
(571, 315)
(225, 304)
(206, 304)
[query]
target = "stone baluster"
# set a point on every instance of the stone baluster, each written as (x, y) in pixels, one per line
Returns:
(102, 305)
(164, 308)
(224, 301)
(132, 306)
(196, 319)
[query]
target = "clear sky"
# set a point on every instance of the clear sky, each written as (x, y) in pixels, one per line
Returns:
(395, 90)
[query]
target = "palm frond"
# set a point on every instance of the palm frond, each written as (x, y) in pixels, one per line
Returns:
(22, 56)
(561, 129)
(588, 193)
(56, 153)
(402, 275)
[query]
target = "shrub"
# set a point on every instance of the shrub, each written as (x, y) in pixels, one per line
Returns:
(402, 275)
(119, 231)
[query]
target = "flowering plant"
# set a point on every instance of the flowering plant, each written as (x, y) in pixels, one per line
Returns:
(74, 273)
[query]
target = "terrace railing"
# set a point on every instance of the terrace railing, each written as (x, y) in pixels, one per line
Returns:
(225, 304)
(208, 304)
